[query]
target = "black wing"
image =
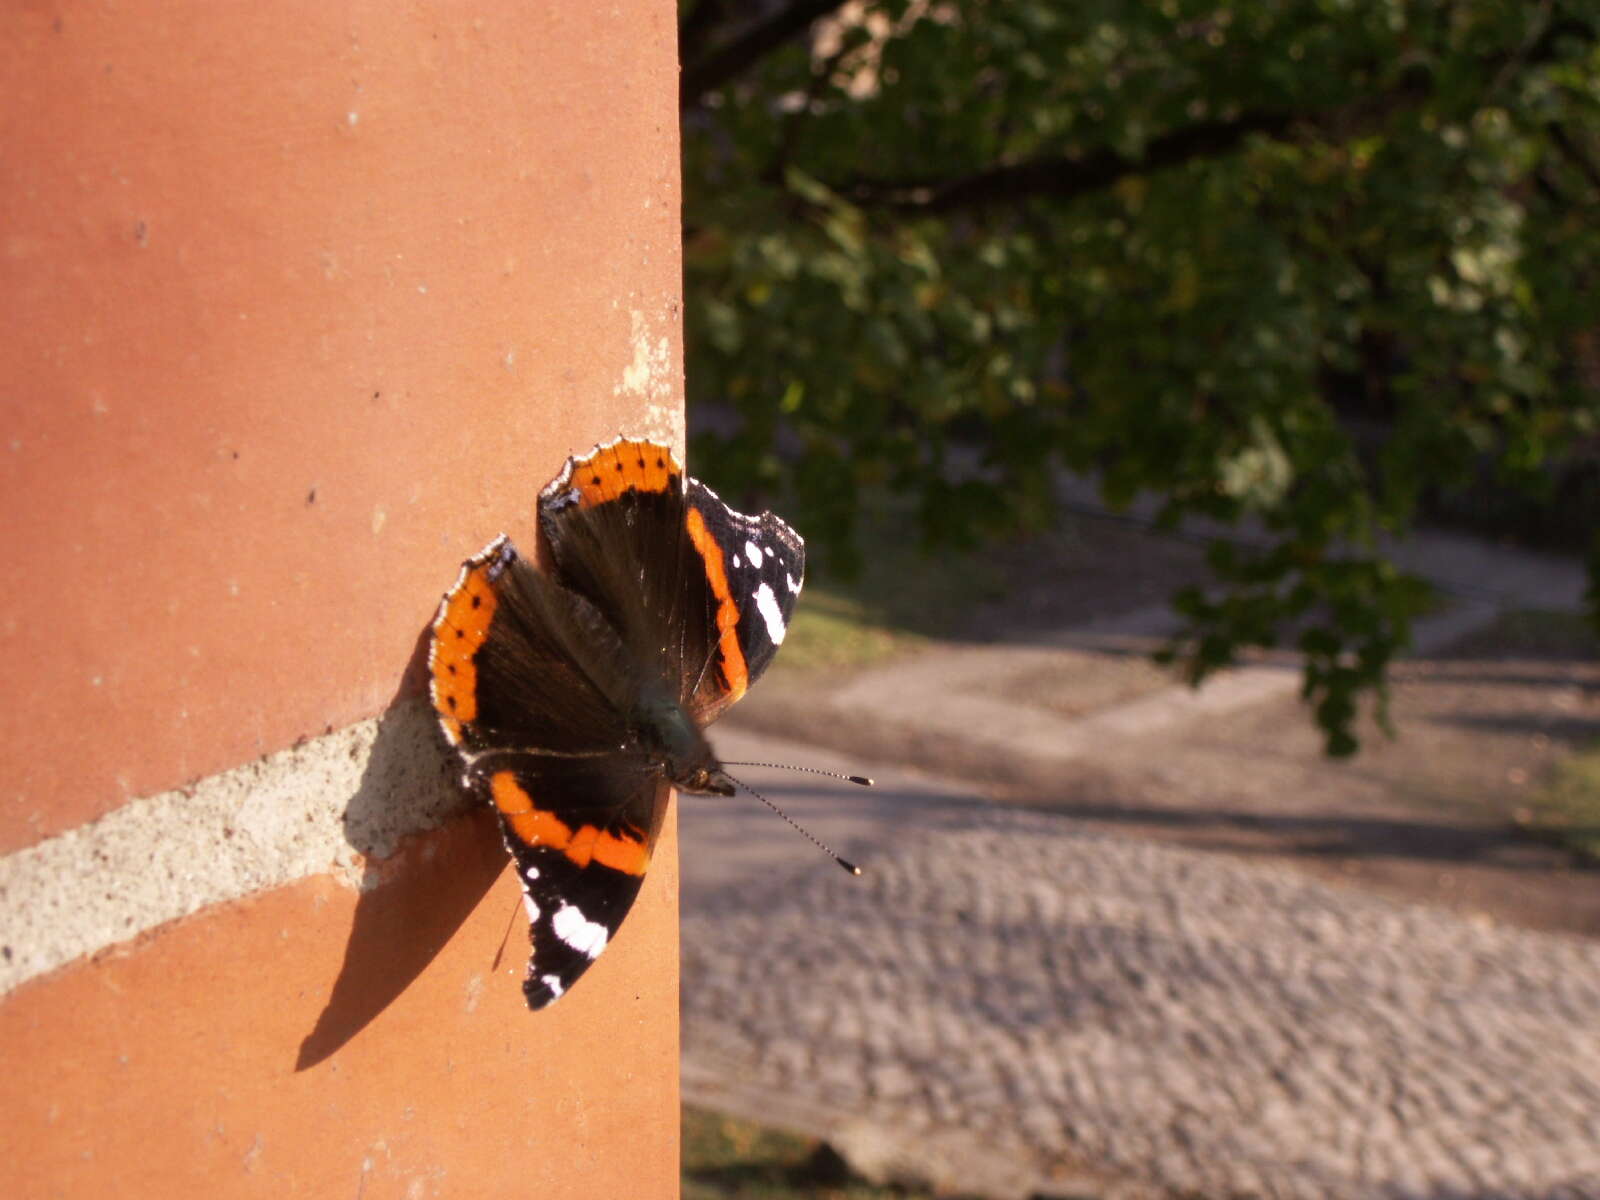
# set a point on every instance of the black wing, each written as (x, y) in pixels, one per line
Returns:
(581, 832)
(700, 594)
(520, 663)
(763, 563)
(532, 685)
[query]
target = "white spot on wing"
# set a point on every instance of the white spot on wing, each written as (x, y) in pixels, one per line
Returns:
(753, 553)
(767, 605)
(735, 559)
(794, 584)
(576, 930)
(533, 909)
(553, 982)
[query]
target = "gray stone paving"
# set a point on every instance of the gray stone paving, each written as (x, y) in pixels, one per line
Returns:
(1008, 1005)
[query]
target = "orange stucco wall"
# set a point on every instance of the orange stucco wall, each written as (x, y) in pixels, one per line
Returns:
(190, 1063)
(302, 299)
(305, 302)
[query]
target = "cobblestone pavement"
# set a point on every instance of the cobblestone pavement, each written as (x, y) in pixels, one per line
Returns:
(1011, 1004)
(1008, 1005)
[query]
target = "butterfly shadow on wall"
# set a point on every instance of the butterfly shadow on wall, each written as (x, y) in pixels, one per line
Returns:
(416, 892)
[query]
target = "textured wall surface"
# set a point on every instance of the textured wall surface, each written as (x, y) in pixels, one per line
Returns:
(307, 303)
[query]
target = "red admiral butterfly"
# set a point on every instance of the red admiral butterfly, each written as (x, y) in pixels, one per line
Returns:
(576, 697)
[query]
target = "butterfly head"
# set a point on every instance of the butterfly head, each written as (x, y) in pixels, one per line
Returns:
(711, 780)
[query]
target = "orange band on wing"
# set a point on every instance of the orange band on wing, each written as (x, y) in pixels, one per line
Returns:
(583, 845)
(734, 671)
(458, 633)
(606, 848)
(612, 470)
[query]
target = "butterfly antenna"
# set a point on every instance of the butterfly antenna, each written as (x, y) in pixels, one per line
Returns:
(806, 833)
(862, 780)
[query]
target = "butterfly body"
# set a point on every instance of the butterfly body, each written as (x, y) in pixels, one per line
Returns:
(669, 738)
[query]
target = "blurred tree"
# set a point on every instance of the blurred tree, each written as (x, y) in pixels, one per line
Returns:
(952, 246)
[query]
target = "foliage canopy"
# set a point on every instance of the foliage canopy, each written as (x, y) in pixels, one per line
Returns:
(1290, 261)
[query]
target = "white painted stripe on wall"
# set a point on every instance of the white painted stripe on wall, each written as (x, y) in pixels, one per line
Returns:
(322, 806)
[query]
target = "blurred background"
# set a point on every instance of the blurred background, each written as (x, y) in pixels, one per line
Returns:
(1099, 350)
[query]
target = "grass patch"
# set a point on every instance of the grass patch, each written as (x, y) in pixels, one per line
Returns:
(725, 1158)
(1566, 810)
(903, 596)
(833, 627)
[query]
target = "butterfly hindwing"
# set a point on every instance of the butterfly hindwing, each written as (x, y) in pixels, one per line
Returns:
(581, 833)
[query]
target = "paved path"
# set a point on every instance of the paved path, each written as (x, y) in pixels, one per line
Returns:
(1012, 1005)
(1008, 1005)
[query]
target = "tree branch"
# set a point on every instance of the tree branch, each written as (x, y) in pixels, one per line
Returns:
(742, 51)
(1064, 177)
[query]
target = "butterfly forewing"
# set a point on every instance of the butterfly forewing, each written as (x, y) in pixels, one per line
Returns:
(520, 663)
(614, 524)
(757, 565)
